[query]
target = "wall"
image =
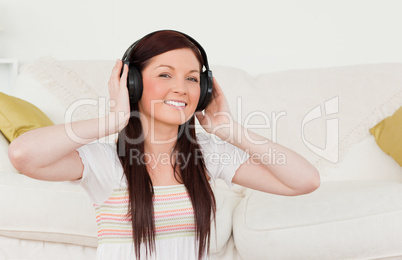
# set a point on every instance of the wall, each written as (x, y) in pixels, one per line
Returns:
(256, 36)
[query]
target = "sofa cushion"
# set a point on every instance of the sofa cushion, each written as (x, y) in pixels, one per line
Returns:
(61, 83)
(72, 91)
(48, 211)
(388, 135)
(326, 111)
(18, 116)
(340, 220)
(33, 91)
(62, 212)
(364, 161)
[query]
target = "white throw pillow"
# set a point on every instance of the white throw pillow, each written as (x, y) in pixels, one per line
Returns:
(61, 91)
(364, 161)
(30, 89)
(61, 84)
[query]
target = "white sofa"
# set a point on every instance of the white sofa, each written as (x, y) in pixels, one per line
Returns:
(323, 114)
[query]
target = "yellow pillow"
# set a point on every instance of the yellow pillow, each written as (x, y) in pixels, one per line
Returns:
(18, 116)
(388, 135)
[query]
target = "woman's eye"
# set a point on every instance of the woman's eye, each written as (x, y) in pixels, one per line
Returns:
(193, 79)
(164, 75)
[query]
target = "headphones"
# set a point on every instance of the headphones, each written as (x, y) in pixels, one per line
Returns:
(134, 78)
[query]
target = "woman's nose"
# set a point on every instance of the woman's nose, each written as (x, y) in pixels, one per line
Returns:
(180, 87)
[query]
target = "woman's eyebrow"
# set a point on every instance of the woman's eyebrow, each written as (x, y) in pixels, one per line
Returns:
(172, 68)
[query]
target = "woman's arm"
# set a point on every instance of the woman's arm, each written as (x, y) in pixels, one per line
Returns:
(291, 175)
(271, 167)
(48, 153)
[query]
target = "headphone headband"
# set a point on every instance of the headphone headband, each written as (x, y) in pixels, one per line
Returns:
(128, 52)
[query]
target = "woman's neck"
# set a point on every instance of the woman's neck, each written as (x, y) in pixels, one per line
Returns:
(160, 138)
(158, 149)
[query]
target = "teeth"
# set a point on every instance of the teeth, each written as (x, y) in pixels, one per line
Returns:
(174, 103)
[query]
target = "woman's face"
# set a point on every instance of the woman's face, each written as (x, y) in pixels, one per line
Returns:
(171, 76)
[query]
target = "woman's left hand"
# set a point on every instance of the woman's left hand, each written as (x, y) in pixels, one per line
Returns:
(217, 114)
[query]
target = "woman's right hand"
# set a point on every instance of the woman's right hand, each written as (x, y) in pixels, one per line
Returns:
(119, 98)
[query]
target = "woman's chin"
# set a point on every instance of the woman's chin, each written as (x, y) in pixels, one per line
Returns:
(172, 120)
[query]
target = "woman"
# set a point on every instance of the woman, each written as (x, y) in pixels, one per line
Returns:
(151, 190)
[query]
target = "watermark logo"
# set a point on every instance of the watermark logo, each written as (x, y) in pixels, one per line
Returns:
(267, 121)
(331, 107)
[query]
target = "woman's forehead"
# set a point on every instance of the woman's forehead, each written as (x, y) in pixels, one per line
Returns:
(179, 58)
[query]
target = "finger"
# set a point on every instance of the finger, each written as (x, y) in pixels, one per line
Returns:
(119, 63)
(116, 73)
(115, 67)
(123, 79)
(113, 73)
(218, 90)
(214, 89)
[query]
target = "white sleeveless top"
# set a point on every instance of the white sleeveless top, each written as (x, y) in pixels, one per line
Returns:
(104, 181)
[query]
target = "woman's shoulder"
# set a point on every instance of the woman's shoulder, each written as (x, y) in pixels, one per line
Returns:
(209, 142)
(102, 145)
(204, 139)
(100, 152)
(202, 136)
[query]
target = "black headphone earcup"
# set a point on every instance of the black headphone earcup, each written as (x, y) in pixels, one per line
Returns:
(134, 84)
(205, 90)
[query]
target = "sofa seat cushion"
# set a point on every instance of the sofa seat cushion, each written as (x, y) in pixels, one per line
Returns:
(62, 212)
(47, 211)
(340, 220)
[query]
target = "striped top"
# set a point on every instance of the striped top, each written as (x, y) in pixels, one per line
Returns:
(105, 183)
(173, 215)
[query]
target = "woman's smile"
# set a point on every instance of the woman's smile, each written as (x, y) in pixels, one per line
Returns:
(176, 104)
